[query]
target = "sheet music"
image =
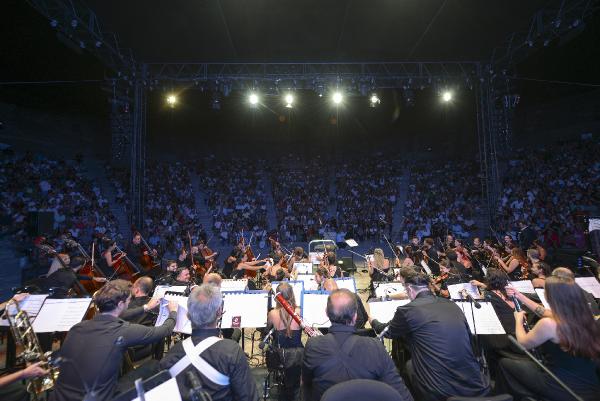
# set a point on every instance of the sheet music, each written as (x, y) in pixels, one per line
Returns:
(590, 284)
(347, 283)
(160, 290)
(60, 314)
(298, 287)
(314, 309)
(249, 308)
(303, 267)
(309, 282)
(524, 286)
(351, 243)
(455, 290)
(32, 305)
(164, 391)
(426, 267)
(594, 224)
(542, 295)
(314, 257)
(370, 258)
(382, 289)
(486, 320)
(183, 324)
(234, 285)
(384, 311)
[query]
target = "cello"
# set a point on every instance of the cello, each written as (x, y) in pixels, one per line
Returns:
(124, 268)
(148, 259)
(247, 251)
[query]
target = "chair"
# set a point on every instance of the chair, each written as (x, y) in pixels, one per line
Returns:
(361, 389)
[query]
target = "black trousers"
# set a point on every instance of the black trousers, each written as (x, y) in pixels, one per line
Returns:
(523, 378)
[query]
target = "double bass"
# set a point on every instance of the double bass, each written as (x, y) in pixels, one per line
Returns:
(124, 268)
(89, 268)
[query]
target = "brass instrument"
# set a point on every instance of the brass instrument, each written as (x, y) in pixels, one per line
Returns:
(24, 335)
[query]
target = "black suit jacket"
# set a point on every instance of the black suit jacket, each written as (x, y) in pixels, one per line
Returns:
(366, 359)
(93, 353)
(438, 337)
(225, 356)
(526, 238)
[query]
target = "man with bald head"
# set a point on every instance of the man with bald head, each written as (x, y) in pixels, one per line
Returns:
(342, 355)
(212, 278)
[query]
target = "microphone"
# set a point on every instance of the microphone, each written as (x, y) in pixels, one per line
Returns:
(468, 296)
(383, 333)
(262, 344)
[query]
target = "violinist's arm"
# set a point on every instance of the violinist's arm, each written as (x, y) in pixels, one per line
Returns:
(370, 267)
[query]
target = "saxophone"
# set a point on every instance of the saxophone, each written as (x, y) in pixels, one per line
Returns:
(24, 335)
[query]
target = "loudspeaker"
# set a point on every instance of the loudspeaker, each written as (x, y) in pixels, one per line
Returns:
(40, 223)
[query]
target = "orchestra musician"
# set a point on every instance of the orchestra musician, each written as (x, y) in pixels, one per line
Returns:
(379, 268)
(409, 259)
(107, 263)
(168, 276)
(449, 275)
(517, 266)
(183, 276)
(137, 251)
(431, 255)
(96, 347)
(330, 263)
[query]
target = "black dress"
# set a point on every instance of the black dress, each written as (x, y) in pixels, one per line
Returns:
(289, 345)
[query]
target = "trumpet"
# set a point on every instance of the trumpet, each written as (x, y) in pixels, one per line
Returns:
(24, 335)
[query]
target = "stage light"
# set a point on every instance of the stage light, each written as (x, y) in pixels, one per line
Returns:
(253, 99)
(447, 96)
(289, 100)
(337, 98)
(374, 100)
(172, 100)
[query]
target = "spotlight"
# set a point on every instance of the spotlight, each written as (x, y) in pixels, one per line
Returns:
(172, 100)
(337, 98)
(374, 100)
(289, 100)
(253, 99)
(447, 96)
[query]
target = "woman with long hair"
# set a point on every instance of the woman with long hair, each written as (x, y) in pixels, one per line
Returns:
(569, 337)
(379, 267)
(516, 266)
(288, 336)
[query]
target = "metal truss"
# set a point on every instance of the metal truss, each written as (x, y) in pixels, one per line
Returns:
(79, 24)
(138, 156)
(314, 75)
(563, 19)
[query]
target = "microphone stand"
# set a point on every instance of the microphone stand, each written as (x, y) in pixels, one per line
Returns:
(544, 368)
(480, 357)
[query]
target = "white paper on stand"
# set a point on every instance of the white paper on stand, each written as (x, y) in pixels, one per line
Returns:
(60, 314)
(183, 324)
(486, 320)
(590, 284)
(384, 311)
(32, 305)
(309, 282)
(455, 290)
(351, 243)
(250, 309)
(314, 307)
(164, 391)
(160, 290)
(383, 289)
(425, 267)
(523, 286)
(347, 283)
(542, 295)
(234, 285)
(303, 267)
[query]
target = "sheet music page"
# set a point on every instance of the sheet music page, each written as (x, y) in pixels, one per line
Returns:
(594, 224)
(234, 285)
(590, 284)
(314, 257)
(245, 309)
(351, 243)
(426, 267)
(303, 267)
(159, 291)
(347, 283)
(486, 320)
(297, 286)
(382, 289)
(384, 311)
(455, 290)
(314, 310)
(165, 391)
(309, 282)
(542, 295)
(32, 305)
(183, 324)
(524, 286)
(60, 314)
